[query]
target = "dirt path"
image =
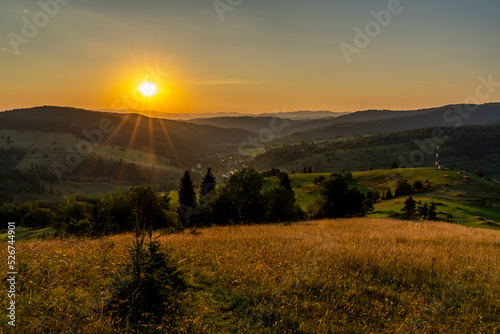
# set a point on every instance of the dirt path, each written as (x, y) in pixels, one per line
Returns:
(32, 234)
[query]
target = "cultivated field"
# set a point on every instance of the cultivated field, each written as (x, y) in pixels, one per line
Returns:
(329, 276)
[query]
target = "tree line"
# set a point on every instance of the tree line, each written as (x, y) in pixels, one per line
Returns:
(239, 199)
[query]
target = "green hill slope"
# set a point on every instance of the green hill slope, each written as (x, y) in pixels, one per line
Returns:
(469, 199)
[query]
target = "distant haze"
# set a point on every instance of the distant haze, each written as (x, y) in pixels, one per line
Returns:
(299, 115)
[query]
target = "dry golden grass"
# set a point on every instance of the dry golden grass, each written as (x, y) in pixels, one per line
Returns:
(61, 284)
(330, 276)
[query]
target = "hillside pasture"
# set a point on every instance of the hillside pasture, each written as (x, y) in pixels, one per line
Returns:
(470, 200)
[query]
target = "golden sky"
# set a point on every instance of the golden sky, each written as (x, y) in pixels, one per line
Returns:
(247, 56)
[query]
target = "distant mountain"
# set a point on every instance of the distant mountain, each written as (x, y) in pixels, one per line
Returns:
(378, 115)
(386, 121)
(295, 115)
(356, 123)
(279, 126)
(306, 114)
(172, 116)
(180, 141)
(249, 123)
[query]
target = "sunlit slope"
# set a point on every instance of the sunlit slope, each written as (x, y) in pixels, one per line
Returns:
(467, 197)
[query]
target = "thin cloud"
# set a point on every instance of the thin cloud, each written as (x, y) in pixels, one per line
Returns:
(230, 82)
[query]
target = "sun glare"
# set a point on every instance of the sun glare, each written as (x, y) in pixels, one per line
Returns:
(148, 89)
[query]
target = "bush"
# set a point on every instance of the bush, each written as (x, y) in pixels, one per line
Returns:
(402, 188)
(38, 218)
(319, 179)
(418, 186)
(79, 228)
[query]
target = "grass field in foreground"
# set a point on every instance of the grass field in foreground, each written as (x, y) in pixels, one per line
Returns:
(330, 276)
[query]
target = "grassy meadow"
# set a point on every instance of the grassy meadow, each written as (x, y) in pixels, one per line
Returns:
(329, 276)
(471, 200)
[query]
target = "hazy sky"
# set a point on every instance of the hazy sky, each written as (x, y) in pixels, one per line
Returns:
(246, 55)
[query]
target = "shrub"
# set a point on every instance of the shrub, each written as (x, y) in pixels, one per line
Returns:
(418, 186)
(79, 228)
(38, 218)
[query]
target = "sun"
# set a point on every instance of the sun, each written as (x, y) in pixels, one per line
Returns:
(148, 89)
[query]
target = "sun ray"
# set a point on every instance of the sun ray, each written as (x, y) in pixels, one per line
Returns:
(131, 142)
(169, 141)
(117, 129)
(151, 139)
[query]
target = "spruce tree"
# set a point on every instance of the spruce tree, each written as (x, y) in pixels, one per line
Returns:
(408, 211)
(422, 210)
(285, 181)
(187, 198)
(432, 211)
(208, 183)
(389, 195)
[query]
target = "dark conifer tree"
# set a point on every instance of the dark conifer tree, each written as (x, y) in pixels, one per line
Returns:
(432, 211)
(285, 181)
(422, 210)
(187, 199)
(408, 211)
(208, 184)
(389, 195)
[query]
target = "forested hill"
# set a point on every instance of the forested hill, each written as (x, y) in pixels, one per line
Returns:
(472, 148)
(173, 139)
